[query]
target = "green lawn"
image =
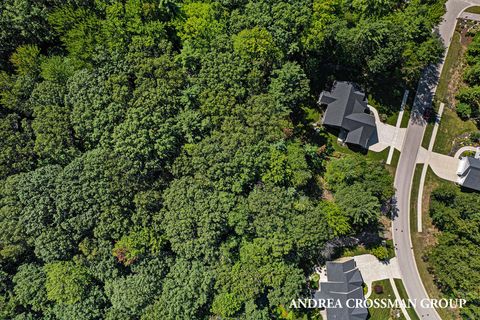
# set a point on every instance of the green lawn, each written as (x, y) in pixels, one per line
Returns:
(427, 135)
(405, 119)
(396, 156)
(404, 296)
(452, 61)
(392, 119)
(414, 197)
(474, 9)
(451, 126)
(382, 313)
(377, 156)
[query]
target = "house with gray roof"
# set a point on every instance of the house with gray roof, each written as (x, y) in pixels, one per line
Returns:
(344, 283)
(469, 173)
(348, 111)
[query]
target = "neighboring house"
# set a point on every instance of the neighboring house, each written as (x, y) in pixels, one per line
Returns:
(469, 173)
(344, 283)
(348, 111)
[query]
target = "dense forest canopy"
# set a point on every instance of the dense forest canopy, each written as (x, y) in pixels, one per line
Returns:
(456, 259)
(155, 161)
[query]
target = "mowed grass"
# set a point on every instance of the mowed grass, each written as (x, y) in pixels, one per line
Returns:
(382, 313)
(422, 242)
(452, 62)
(451, 126)
(474, 9)
(405, 119)
(427, 135)
(392, 119)
(404, 296)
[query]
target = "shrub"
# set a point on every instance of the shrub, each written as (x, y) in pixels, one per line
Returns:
(472, 75)
(381, 253)
(464, 111)
(475, 136)
(378, 289)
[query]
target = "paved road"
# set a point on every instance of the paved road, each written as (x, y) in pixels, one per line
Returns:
(403, 184)
(406, 166)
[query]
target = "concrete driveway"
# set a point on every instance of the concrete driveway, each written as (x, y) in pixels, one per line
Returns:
(442, 165)
(387, 135)
(372, 269)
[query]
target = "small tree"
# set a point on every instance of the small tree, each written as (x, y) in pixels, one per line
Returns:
(381, 253)
(378, 289)
(464, 111)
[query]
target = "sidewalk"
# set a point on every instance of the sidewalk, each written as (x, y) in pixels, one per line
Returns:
(397, 126)
(425, 166)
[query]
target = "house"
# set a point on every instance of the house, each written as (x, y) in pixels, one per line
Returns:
(348, 111)
(344, 283)
(469, 173)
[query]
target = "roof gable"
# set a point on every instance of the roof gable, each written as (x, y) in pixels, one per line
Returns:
(344, 282)
(471, 174)
(347, 108)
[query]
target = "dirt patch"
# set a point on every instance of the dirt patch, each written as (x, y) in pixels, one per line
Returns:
(386, 227)
(327, 195)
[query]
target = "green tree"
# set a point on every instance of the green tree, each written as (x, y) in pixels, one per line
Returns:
(66, 283)
(16, 145)
(255, 45)
(29, 287)
(186, 293)
(359, 204)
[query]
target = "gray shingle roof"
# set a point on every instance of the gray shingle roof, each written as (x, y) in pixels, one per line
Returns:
(471, 174)
(344, 283)
(347, 108)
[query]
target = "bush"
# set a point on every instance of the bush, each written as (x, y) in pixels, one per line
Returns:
(314, 281)
(475, 136)
(473, 51)
(464, 111)
(381, 253)
(472, 75)
(378, 289)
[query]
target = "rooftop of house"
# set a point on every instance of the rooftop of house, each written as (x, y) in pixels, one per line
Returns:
(344, 283)
(470, 173)
(347, 109)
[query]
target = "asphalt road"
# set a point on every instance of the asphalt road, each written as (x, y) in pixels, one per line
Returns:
(403, 184)
(406, 167)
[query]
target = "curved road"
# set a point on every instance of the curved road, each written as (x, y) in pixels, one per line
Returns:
(406, 167)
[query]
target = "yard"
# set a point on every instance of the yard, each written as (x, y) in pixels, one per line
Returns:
(422, 242)
(404, 296)
(386, 293)
(474, 9)
(452, 129)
